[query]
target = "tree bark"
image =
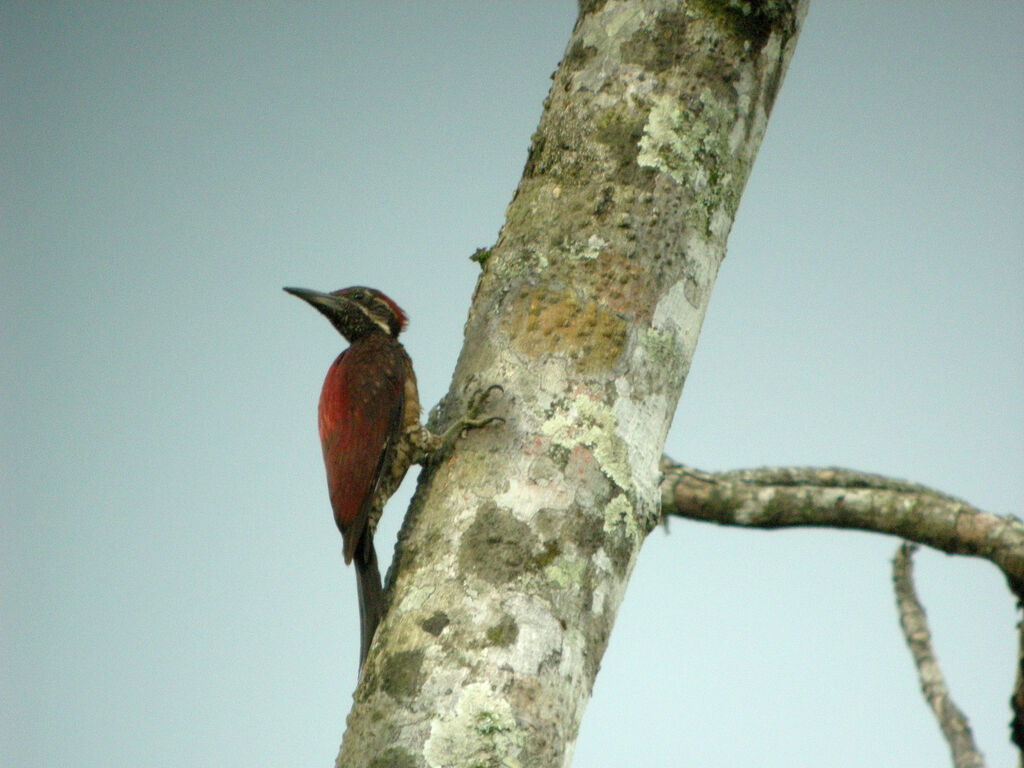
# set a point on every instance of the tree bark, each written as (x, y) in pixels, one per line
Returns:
(517, 549)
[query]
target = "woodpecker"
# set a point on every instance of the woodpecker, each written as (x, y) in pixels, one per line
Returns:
(370, 432)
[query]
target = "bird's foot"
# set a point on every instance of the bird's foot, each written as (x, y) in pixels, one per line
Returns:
(471, 419)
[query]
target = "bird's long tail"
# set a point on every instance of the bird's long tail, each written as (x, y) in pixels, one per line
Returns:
(371, 596)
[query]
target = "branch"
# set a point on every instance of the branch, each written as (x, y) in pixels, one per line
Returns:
(841, 498)
(952, 721)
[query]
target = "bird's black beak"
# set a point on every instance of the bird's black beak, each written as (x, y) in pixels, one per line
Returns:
(335, 308)
(318, 299)
(330, 306)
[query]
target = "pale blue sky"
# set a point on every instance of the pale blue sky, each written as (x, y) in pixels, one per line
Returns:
(171, 579)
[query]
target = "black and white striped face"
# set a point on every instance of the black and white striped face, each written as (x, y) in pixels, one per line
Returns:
(356, 311)
(368, 307)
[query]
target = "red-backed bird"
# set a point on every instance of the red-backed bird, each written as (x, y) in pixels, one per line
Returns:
(370, 430)
(368, 403)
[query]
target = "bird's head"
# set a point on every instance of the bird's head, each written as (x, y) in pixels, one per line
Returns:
(357, 311)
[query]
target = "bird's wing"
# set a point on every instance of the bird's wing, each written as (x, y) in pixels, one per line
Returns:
(361, 407)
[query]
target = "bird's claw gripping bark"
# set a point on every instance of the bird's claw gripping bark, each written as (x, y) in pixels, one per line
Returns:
(476, 404)
(471, 419)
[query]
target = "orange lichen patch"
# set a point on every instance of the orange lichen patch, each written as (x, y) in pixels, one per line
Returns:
(555, 322)
(624, 284)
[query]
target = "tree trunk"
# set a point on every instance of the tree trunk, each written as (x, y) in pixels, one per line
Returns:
(517, 550)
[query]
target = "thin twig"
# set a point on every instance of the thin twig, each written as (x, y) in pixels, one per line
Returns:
(952, 721)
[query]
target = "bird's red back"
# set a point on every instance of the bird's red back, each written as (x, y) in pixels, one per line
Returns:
(360, 418)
